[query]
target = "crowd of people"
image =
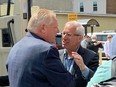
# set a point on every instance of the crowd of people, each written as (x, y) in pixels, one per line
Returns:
(35, 62)
(90, 42)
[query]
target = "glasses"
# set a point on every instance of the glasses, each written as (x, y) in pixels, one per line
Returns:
(69, 34)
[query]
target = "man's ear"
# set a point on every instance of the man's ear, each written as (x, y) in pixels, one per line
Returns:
(81, 37)
(43, 28)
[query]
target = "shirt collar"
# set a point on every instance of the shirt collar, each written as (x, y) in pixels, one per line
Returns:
(66, 54)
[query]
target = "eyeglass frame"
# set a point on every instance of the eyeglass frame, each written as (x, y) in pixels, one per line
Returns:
(69, 34)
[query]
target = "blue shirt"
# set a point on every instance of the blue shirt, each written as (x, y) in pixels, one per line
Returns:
(69, 62)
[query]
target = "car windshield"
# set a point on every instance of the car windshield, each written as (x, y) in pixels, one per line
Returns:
(101, 37)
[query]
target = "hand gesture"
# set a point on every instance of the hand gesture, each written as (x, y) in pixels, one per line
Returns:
(78, 60)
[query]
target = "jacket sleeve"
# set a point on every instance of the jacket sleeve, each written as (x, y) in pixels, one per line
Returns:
(90, 45)
(55, 71)
(93, 65)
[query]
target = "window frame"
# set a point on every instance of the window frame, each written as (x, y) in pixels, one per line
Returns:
(95, 6)
(81, 7)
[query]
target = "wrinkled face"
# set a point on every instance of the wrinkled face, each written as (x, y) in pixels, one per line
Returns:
(70, 39)
(51, 31)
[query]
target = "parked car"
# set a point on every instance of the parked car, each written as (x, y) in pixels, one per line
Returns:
(59, 41)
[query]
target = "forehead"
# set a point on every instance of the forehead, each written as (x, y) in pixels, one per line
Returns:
(70, 28)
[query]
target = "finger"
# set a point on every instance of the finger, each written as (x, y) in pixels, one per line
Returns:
(75, 54)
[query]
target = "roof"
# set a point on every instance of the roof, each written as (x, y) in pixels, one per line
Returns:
(88, 22)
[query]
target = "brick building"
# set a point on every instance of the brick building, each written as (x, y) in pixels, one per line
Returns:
(111, 6)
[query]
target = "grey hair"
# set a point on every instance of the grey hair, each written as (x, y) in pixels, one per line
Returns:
(42, 16)
(79, 28)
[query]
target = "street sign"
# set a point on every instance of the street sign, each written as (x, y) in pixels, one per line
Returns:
(72, 17)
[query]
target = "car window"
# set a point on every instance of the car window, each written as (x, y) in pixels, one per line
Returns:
(101, 37)
(59, 41)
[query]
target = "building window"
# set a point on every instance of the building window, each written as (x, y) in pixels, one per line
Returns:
(94, 6)
(81, 7)
(6, 40)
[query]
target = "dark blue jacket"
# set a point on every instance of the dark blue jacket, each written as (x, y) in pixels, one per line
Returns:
(32, 62)
(90, 59)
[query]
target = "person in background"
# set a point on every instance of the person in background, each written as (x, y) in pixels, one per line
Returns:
(107, 45)
(113, 47)
(93, 44)
(104, 70)
(85, 41)
(34, 61)
(80, 62)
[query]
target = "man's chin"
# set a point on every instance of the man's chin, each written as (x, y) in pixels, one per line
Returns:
(63, 46)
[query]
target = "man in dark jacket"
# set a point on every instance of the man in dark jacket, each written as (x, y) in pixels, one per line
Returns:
(93, 44)
(80, 62)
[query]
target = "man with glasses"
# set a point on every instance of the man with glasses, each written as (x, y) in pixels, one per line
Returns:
(80, 62)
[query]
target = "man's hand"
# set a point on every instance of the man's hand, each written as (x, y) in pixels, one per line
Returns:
(79, 61)
(97, 43)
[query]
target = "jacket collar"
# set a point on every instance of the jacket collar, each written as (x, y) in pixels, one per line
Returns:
(80, 50)
(31, 34)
